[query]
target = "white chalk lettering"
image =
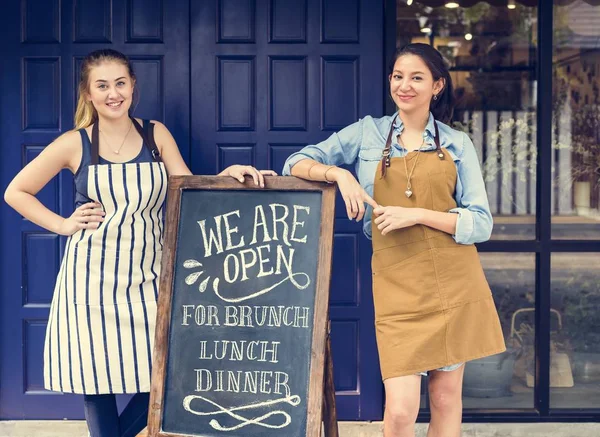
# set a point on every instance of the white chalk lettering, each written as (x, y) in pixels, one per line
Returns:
(231, 317)
(219, 380)
(296, 223)
(284, 383)
(246, 316)
(247, 263)
(273, 351)
(265, 381)
(240, 350)
(203, 355)
(263, 260)
(229, 231)
(212, 239)
(227, 271)
(281, 220)
(203, 380)
(186, 315)
(240, 381)
(260, 222)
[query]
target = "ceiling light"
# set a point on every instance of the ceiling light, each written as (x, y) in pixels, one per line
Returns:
(452, 5)
(468, 36)
(426, 29)
(511, 4)
(409, 2)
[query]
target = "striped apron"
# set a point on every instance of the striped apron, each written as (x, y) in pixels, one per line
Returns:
(100, 332)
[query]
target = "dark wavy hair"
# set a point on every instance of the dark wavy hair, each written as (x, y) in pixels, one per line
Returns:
(443, 107)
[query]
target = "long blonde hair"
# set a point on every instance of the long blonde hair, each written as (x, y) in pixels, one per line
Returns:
(85, 114)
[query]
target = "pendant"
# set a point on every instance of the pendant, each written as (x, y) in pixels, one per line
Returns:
(116, 152)
(408, 193)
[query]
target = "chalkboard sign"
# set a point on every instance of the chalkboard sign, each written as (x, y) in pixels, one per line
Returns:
(240, 344)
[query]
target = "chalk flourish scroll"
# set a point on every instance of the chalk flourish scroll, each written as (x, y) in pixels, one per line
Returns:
(243, 421)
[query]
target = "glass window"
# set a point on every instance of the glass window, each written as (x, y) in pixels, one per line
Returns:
(506, 380)
(576, 121)
(575, 335)
(491, 50)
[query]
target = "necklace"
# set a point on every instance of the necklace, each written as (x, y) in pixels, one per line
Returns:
(408, 191)
(116, 152)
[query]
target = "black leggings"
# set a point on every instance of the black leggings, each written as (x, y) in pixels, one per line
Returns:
(103, 419)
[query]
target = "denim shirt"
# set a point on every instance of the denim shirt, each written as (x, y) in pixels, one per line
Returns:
(362, 144)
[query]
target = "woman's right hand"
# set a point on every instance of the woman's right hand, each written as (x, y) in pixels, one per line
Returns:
(87, 216)
(353, 193)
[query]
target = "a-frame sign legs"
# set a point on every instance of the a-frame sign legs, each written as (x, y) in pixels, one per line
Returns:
(329, 410)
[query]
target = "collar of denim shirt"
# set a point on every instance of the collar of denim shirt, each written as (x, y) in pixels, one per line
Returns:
(428, 134)
(449, 138)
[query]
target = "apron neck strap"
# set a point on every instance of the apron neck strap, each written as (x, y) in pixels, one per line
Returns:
(148, 140)
(386, 161)
(95, 143)
(387, 150)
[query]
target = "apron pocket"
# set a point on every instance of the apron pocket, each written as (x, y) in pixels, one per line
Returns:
(406, 289)
(442, 190)
(436, 191)
(461, 275)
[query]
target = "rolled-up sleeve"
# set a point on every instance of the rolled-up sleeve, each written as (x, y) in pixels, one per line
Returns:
(474, 223)
(340, 148)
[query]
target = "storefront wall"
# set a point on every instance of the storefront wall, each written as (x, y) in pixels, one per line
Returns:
(526, 75)
(253, 81)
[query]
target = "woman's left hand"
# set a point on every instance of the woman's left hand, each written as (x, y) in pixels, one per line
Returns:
(239, 171)
(390, 218)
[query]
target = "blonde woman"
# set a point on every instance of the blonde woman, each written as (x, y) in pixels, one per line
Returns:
(100, 332)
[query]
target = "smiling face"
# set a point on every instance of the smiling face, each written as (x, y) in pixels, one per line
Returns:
(412, 85)
(110, 89)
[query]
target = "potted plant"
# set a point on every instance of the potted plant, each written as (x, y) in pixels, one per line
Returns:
(582, 319)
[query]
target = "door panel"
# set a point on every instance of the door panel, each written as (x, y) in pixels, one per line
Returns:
(278, 75)
(44, 45)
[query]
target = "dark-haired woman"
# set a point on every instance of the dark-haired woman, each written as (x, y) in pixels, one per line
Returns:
(425, 207)
(100, 332)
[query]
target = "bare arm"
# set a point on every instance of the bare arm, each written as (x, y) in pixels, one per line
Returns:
(443, 221)
(390, 218)
(352, 192)
(169, 151)
(315, 171)
(177, 166)
(64, 152)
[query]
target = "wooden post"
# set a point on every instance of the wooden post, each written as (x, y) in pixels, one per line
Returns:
(329, 409)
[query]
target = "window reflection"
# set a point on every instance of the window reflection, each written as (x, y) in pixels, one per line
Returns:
(506, 380)
(575, 341)
(576, 121)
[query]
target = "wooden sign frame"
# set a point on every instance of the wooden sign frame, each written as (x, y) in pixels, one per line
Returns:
(321, 394)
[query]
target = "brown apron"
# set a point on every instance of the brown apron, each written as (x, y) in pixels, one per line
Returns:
(433, 305)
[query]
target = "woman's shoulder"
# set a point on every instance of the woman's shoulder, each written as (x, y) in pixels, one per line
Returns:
(454, 139)
(159, 128)
(69, 141)
(380, 122)
(376, 127)
(66, 149)
(156, 123)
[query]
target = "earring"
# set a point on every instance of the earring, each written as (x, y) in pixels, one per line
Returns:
(435, 97)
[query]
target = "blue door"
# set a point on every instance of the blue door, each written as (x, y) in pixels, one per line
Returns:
(268, 77)
(43, 44)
